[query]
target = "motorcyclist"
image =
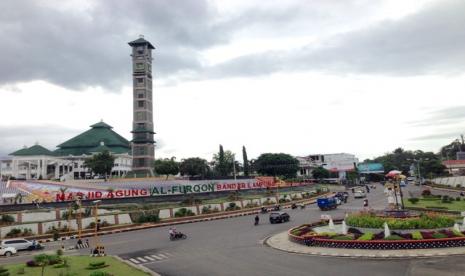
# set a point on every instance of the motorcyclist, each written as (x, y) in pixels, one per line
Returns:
(365, 203)
(172, 232)
(257, 219)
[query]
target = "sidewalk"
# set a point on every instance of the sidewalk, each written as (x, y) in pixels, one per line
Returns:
(281, 242)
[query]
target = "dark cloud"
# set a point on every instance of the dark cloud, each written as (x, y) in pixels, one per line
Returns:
(78, 48)
(446, 116)
(13, 138)
(430, 41)
(439, 136)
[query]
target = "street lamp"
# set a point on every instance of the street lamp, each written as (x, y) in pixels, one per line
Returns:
(97, 245)
(418, 167)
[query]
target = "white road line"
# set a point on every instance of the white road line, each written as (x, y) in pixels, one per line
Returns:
(149, 258)
(169, 254)
(156, 257)
(134, 261)
(141, 259)
(162, 255)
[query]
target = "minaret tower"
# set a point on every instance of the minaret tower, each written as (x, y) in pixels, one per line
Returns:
(143, 145)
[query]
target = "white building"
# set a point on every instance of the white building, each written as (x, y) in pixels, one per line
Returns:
(67, 162)
(339, 163)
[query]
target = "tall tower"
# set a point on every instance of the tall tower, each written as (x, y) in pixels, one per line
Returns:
(143, 144)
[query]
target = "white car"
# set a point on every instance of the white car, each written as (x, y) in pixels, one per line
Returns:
(7, 251)
(18, 244)
(359, 194)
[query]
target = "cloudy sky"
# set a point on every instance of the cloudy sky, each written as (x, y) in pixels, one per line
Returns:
(301, 77)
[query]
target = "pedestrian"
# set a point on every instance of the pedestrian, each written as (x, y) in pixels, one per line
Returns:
(368, 188)
(257, 219)
(365, 203)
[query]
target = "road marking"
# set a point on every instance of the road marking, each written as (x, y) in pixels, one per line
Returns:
(134, 261)
(141, 259)
(149, 258)
(156, 257)
(162, 255)
(169, 254)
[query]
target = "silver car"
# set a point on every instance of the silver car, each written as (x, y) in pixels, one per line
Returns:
(19, 244)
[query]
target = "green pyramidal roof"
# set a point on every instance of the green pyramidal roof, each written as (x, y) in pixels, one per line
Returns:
(31, 151)
(100, 135)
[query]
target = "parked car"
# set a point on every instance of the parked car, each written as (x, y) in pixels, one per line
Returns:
(7, 251)
(359, 194)
(279, 217)
(20, 244)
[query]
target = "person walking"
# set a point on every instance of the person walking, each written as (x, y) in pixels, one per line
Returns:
(257, 219)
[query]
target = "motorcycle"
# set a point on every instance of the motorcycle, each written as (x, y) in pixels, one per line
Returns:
(178, 236)
(294, 206)
(276, 208)
(264, 210)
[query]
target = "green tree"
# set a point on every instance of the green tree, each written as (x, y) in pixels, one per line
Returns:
(399, 159)
(166, 166)
(42, 260)
(450, 151)
(194, 166)
(277, 164)
(100, 163)
(320, 173)
(246, 162)
(223, 162)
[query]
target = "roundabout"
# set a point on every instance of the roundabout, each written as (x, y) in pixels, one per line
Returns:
(388, 233)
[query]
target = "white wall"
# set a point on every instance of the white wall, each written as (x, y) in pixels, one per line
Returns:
(39, 216)
(4, 230)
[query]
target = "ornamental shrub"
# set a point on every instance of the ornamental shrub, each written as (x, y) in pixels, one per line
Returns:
(426, 192)
(343, 238)
(458, 233)
(366, 237)
(417, 235)
(393, 238)
(438, 235)
(7, 219)
(184, 212)
(413, 200)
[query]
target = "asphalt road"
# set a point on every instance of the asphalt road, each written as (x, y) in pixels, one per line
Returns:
(234, 247)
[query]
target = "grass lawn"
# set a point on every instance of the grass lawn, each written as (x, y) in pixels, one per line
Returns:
(428, 203)
(77, 266)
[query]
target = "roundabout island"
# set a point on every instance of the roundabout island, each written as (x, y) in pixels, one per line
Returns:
(377, 234)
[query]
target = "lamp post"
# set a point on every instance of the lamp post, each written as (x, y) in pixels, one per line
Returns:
(96, 202)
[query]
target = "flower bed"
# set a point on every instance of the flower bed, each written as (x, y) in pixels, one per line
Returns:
(425, 221)
(355, 239)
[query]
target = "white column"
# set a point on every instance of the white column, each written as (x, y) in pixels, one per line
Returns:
(57, 171)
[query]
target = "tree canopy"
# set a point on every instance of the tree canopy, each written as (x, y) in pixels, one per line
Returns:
(245, 161)
(194, 166)
(320, 173)
(402, 160)
(166, 167)
(223, 162)
(277, 164)
(100, 163)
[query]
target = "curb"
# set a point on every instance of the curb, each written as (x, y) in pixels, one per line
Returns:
(370, 254)
(169, 223)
